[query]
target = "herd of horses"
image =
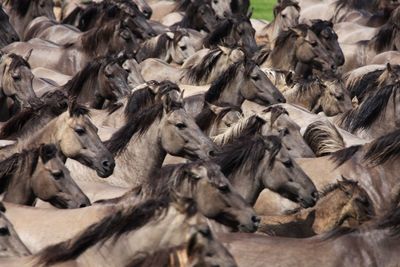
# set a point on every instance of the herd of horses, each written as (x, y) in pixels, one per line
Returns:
(186, 133)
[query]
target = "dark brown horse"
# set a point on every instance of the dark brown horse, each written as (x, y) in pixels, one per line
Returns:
(8, 34)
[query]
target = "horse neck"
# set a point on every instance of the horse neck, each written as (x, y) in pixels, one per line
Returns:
(19, 190)
(147, 155)
(166, 232)
(231, 93)
(282, 57)
(220, 67)
(246, 184)
(328, 211)
(90, 86)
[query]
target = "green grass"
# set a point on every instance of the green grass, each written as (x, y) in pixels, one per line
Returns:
(262, 9)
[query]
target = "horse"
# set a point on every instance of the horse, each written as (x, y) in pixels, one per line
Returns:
(273, 120)
(39, 173)
(112, 38)
(300, 50)
(198, 15)
(332, 249)
(375, 116)
(173, 46)
(266, 164)
(22, 12)
(75, 137)
(286, 16)
(10, 243)
(16, 84)
(32, 119)
(339, 203)
(199, 181)
(385, 39)
(8, 34)
(147, 137)
(242, 80)
(316, 95)
(100, 80)
(231, 32)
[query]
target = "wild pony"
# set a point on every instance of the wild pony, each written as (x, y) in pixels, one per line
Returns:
(340, 203)
(21, 12)
(39, 173)
(16, 84)
(75, 137)
(8, 34)
(254, 163)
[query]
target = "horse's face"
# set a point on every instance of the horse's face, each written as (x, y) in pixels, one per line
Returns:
(114, 81)
(51, 181)
(288, 18)
(204, 250)
(182, 48)
(134, 72)
(292, 139)
(205, 17)
(258, 88)
(217, 199)
(9, 35)
(43, 8)
(10, 244)
(180, 135)
(335, 98)
(310, 50)
(140, 27)
(222, 8)
(281, 174)
(329, 39)
(78, 140)
(17, 83)
(123, 39)
(359, 206)
(244, 35)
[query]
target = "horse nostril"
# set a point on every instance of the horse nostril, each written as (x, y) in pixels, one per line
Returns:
(333, 67)
(315, 195)
(106, 164)
(211, 153)
(255, 219)
(82, 205)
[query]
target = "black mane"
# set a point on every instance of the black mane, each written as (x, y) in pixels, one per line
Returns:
(250, 151)
(370, 109)
(17, 61)
(384, 148)
(227, 77)
(21, 7)
(341, 156)
(202, 71)
(207, 117)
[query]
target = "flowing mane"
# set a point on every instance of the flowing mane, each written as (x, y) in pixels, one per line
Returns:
(17, 61)
(206, 118)
(29, 120)
(138, 124)
(384, 148)
(126, 219)
(369, 111)
(249, 151)
(343, 155)
(203, 69)
(20, 163)
(244, 128)
(284, 4)
(227, 77)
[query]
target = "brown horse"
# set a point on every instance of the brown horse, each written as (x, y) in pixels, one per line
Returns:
(340, 203)
(100, 80)
(112, 38)
(255, 163)
(16, 84)
(10, 243)
(21, 12)
(39, 173)
(8, 34)
(75, 137)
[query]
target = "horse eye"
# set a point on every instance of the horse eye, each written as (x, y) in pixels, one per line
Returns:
(180, 125)
(215, 1)
(283, 16)
(255, 77)
(80, 131)
(4, 231)
(58, 175)
(223, 188)
(288, 164)
(183, 47)
(314, 44)
(340, 97)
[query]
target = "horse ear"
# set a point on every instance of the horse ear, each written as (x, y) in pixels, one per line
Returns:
(216, 109)
(249, 13)
(28, 55)
(354, 102)
(170, 35)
